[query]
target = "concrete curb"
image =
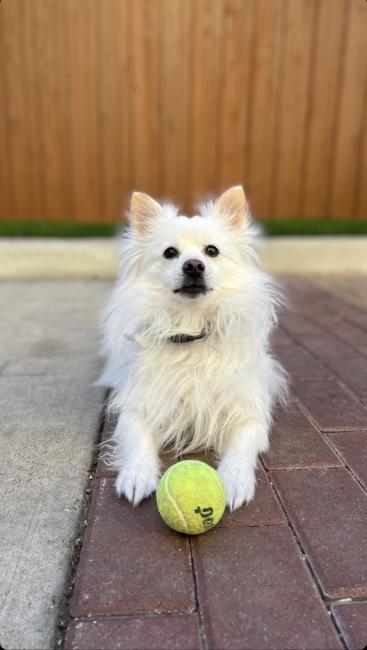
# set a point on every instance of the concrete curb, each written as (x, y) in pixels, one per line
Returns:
(51, 414)
(315, 254)
(97, 257)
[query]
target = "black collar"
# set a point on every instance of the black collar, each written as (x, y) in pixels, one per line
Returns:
(188, 338)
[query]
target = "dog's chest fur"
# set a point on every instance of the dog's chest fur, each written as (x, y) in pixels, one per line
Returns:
(187, 389)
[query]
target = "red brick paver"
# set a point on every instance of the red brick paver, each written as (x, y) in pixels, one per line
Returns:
(270, 575)
(331, 406)
(299, 362)
(295, 442)
(131, 561)
(335, 342)
(352, 446)
(329, 512)
(255, 592)
(264, 510)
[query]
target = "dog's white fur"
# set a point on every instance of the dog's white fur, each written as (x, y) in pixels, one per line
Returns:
(217, 392)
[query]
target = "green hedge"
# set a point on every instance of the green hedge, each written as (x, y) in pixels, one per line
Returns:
(56, 229)
(278, 227)
(272, 227)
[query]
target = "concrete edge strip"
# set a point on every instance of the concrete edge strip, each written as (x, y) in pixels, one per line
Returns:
(97, 258)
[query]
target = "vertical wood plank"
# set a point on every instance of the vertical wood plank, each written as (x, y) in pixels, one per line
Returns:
(65, 114)
(6, 208)
(82, 57)
(145, 93)
(206, 103)
(234, 127)
(352, 121)
(292, 107)
(175, 98)
(6, 179)
(33, 89)
(46, 101)
(15, 114)
(360, 209)
(113, 106)
(324, 102)
(267, 81)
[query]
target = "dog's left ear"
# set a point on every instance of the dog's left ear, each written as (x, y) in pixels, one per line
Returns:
(233, 205)
(144, 212)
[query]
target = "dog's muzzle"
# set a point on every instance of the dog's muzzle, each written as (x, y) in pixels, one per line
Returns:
(193, 278)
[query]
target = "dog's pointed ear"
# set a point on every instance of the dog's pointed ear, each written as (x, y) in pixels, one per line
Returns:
(233, 205)
(144, 212)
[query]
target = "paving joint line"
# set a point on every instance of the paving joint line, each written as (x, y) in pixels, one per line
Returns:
(324, 434)
(203, 638)
(64, 618)
(336, 297)
(329, 443)
(299, 343)
(347, 306)
(335, 375)
(143, 614)
(304, 556)
(338, 338)
(337, 627)
(307, 414)
(323, 327)
(346, 466)
(343, 601)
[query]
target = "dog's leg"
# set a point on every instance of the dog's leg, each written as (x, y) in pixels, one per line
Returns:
(238, 465)
(136, 458)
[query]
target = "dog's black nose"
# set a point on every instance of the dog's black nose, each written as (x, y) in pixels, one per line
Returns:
(193, 268)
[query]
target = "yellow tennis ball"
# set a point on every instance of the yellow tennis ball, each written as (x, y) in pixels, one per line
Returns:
(191, 497)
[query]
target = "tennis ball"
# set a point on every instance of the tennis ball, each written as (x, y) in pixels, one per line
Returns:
(191, 497)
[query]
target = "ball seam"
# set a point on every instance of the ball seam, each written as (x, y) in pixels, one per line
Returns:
(173, 502)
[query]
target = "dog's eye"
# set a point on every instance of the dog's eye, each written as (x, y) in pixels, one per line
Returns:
(170, 252)
(212, 251)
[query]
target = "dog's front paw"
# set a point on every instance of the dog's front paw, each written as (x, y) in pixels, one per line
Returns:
(137, 482)
(239, 485)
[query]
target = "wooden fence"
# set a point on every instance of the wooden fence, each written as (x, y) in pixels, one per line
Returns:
(181, 98)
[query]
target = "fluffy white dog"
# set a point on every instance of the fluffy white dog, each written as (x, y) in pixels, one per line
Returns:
(186, 338)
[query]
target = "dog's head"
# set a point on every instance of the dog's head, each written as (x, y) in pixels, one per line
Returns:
(196, 259)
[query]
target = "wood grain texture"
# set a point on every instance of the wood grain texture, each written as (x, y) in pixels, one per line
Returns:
(207, 44)
(268, 58)
(176, 62)
(144, 91)
(292, 107)
(47, 130)
(113, 107)
(361, 190)
(324, 101)
(234, 127)
(352, 121)
(17, 123)
(181, 98)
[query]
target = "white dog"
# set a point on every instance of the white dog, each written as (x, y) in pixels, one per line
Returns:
(186, 337)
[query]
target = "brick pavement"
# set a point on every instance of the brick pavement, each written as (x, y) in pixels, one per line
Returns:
(288, 571)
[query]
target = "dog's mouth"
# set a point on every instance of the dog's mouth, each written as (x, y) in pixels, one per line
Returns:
(192, 289)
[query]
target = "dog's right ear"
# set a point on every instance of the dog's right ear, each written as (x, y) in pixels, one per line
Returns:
(143, 212)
